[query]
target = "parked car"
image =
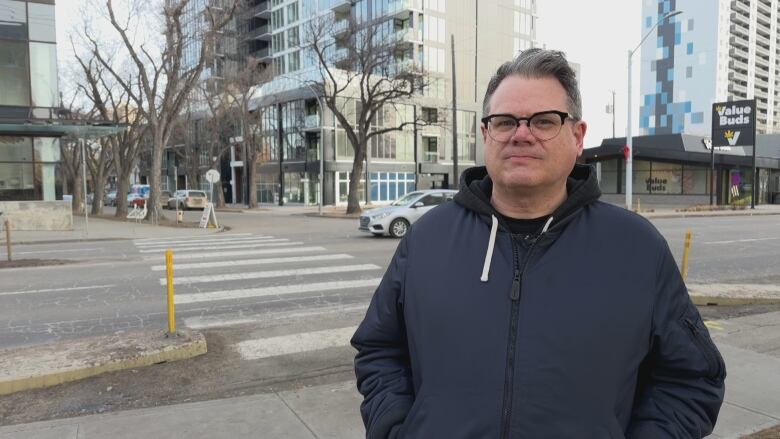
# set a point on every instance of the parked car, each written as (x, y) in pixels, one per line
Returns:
(164, 197)
(187, 199)
(110, 199)
(138, 195)
(395, 219)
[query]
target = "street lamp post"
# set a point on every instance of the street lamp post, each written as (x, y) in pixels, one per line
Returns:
(629, 139)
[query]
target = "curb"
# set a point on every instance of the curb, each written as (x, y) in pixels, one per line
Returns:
(651, 215)
(56, 363)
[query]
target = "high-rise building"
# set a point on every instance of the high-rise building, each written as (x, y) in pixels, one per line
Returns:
(486, 34)
(714, 51)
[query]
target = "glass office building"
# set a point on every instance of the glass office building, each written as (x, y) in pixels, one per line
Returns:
(29, 152)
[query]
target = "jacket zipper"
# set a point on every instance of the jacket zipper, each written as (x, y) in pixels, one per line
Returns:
(514, 295)
(704, 347)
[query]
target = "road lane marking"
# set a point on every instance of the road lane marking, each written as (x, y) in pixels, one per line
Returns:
(741, 240)
(50, 290)
(240, 262)
(201, 242)
(207, 322)
(267, 243)
(58, 251)
(295, 343)
(308, 271)
(713, 324)
(205, 235)
(183, 299)
(218, 254)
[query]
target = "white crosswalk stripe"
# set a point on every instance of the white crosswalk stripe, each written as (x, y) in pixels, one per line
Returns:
(194, 237)
(268, 282)
(150, 245)
(295, 343)
(242, 262)
(273, 273)
(266, 243)
(210, 254)
(275, 291)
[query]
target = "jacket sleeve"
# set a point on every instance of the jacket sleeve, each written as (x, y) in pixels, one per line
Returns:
(382, 363)
(681, 383)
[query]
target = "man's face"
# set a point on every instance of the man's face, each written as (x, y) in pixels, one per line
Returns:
(523, 161)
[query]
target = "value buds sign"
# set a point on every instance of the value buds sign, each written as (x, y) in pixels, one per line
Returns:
(734, 123)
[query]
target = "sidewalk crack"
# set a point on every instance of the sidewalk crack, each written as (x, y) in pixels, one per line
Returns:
(296, 415)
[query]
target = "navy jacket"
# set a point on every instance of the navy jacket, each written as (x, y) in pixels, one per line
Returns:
(584, 330)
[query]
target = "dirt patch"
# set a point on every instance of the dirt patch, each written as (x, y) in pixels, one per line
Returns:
(728, 310)
(770, 433)
(220, 373)
(33, 263)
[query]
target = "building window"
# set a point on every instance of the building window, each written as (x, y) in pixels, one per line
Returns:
(13, 20)
(29, 169)
(695, 180)
(14, 75)
(390, 186)
(689, 72)
(41, 22)
(43, 75)
(609, 177)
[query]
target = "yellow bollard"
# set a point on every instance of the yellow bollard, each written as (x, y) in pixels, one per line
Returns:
(686, 253)
(171, 305)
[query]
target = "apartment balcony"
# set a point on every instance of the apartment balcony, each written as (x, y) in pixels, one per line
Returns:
(342, 6)
(262, 10)
(738, 40)
(741, 19)
(261, 33)
(409, 36)
(736, 88)
(739, 53)
(264, 54)
(341, 29)
(408, 65)
(402, 8)
(764, 9)
(340, 58)
(739, 6)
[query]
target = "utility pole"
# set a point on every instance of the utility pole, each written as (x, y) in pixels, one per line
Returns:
(613, 114)
(454, 119)
(280, 139)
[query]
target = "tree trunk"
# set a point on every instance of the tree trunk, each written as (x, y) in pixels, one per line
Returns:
(122, 187)
(78, 193)
(99, 183)
(250, 169)
(65, 180)
(153, 210)
(353, 202)
(192, 179)
(219, 195)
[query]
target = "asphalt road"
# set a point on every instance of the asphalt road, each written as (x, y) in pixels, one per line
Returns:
(276, 297)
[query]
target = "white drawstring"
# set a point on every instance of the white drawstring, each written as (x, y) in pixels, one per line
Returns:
(489, 255)
(547, 225)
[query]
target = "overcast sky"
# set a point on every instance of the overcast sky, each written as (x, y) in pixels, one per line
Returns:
(596, 35)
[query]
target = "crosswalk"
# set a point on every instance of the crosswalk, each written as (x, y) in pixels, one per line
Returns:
(243, 279)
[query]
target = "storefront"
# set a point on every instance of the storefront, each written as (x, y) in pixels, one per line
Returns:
(676, 170)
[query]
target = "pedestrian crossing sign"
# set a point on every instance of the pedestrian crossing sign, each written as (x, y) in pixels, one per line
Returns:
(209, 217)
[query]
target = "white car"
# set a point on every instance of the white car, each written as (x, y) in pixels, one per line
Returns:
(395, 219)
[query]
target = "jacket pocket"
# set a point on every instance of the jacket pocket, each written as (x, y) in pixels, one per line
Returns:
(694, 326)
(418, 403)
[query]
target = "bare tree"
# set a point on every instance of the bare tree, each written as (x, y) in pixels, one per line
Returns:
(368, 64)
(238, 90)
(70, 154)
(120, 151)
(164, 82)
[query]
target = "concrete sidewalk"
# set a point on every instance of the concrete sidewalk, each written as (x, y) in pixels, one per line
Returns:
(750, 346)
(101, 229)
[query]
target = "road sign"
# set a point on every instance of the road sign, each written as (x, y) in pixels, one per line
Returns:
(209, 217)
(212, 176)
(733, 123)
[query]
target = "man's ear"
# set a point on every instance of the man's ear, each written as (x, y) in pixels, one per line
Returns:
(579, 129)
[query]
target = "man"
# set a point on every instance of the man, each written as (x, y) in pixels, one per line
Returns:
(528, 308)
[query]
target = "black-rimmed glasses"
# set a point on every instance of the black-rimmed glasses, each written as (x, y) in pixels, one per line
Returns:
(543, 125)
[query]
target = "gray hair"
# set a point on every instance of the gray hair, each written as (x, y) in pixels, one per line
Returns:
(539, 63)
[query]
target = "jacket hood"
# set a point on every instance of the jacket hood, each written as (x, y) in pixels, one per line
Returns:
(476, 188)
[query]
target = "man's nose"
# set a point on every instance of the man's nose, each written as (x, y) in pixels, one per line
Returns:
(522, 132)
